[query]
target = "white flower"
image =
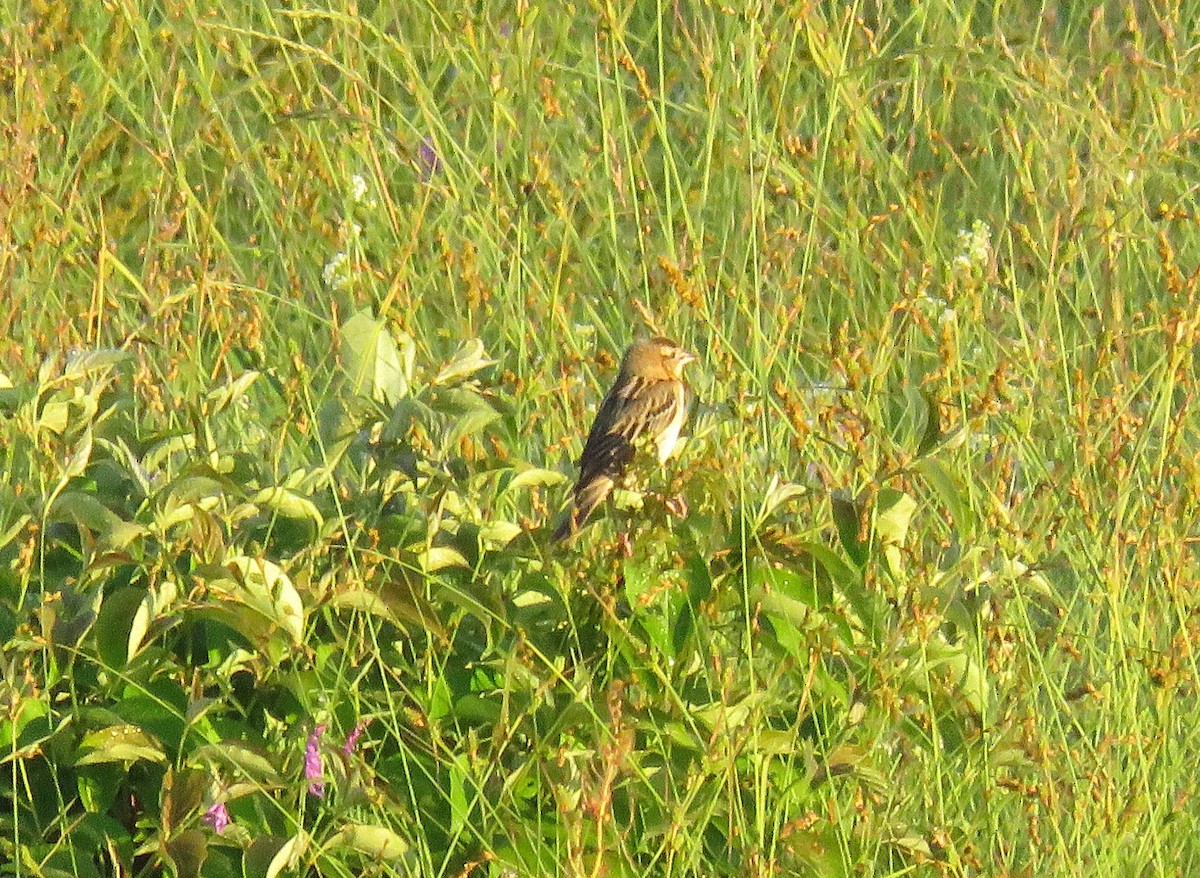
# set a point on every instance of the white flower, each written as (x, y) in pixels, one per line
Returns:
(974, 249)
(358, 188)
(933, 306)
(337, 271)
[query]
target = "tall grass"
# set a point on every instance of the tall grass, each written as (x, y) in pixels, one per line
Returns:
(309, 312)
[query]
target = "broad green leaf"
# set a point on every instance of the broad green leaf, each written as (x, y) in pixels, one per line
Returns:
(83, 363)
(467, 411)
(80, 459)
(157, 454)
(534, 476)
(121, 743)
(187, 850)
(468, 360)
(113, 625)
(778, 493)
(460, 809)
(9, 534)
(933, 427)
(254, 597)
(499, 533)
(288, 856)
(55, 417)
(89, 513)
(157, 601)
(270, 590)
(893, 513)
(531, 598)
(846, 518)
(820, 849)
(240, 758)
(700, 583)
(726, 717)
(377, 842)
(222, 397)
(98, 785)
(289, 504)
(373, 362)
(121, 453)
(943, 484)
(965, 674)
(437, 557)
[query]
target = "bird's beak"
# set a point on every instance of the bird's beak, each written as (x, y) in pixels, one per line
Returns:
(686, 357)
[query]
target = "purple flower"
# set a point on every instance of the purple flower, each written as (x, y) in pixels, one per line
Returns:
(352, 739)
(217, 816)
(428, 160)
(312, 762)
(505, 29)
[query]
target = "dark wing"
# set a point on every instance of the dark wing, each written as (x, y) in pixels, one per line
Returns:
(632, 409)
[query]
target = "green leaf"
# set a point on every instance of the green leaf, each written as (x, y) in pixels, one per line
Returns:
(288, 855)
(376, 367)
(943, 484)
(787, 600)
(377, 842)
(820, 849)
(466, 410)
(119, 743)
(55, 417)
(893, 513)
(959, 665)
(778, 493)
(98, 785)
(933, 427)
(700, 584)
(113, 624)
(187, 850)
(868, 606)
(156, 602)
(468, 360)
(846, 518)
(10, 534)
(159, 709)
(438, 557)
(83, 363)
(256, 598)
(499, 533)
(289, 504)
(221, 398)
(87, 512)
(534, 476)
(80, 459)
(239, 757)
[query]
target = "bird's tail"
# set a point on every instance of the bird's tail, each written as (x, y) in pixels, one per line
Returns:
(587, 497)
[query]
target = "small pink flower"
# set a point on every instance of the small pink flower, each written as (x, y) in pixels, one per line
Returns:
(313, 769)
(428, 160)
(352, 739)
(217, 816)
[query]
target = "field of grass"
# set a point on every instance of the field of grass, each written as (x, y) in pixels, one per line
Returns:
(306, 312)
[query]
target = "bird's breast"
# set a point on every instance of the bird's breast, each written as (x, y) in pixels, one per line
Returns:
(669, 436)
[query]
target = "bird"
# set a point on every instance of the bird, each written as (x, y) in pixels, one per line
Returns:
(647, 404)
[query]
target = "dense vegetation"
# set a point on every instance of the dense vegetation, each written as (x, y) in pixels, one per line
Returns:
(308, 312)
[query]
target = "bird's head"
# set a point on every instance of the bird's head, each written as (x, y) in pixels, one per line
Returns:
(656, 358)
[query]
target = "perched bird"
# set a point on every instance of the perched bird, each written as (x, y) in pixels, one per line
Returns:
(646, 404)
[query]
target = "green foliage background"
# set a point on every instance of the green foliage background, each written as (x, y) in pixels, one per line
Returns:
(309, 309)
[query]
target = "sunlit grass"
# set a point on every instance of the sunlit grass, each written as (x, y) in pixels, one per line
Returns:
(309, 312)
